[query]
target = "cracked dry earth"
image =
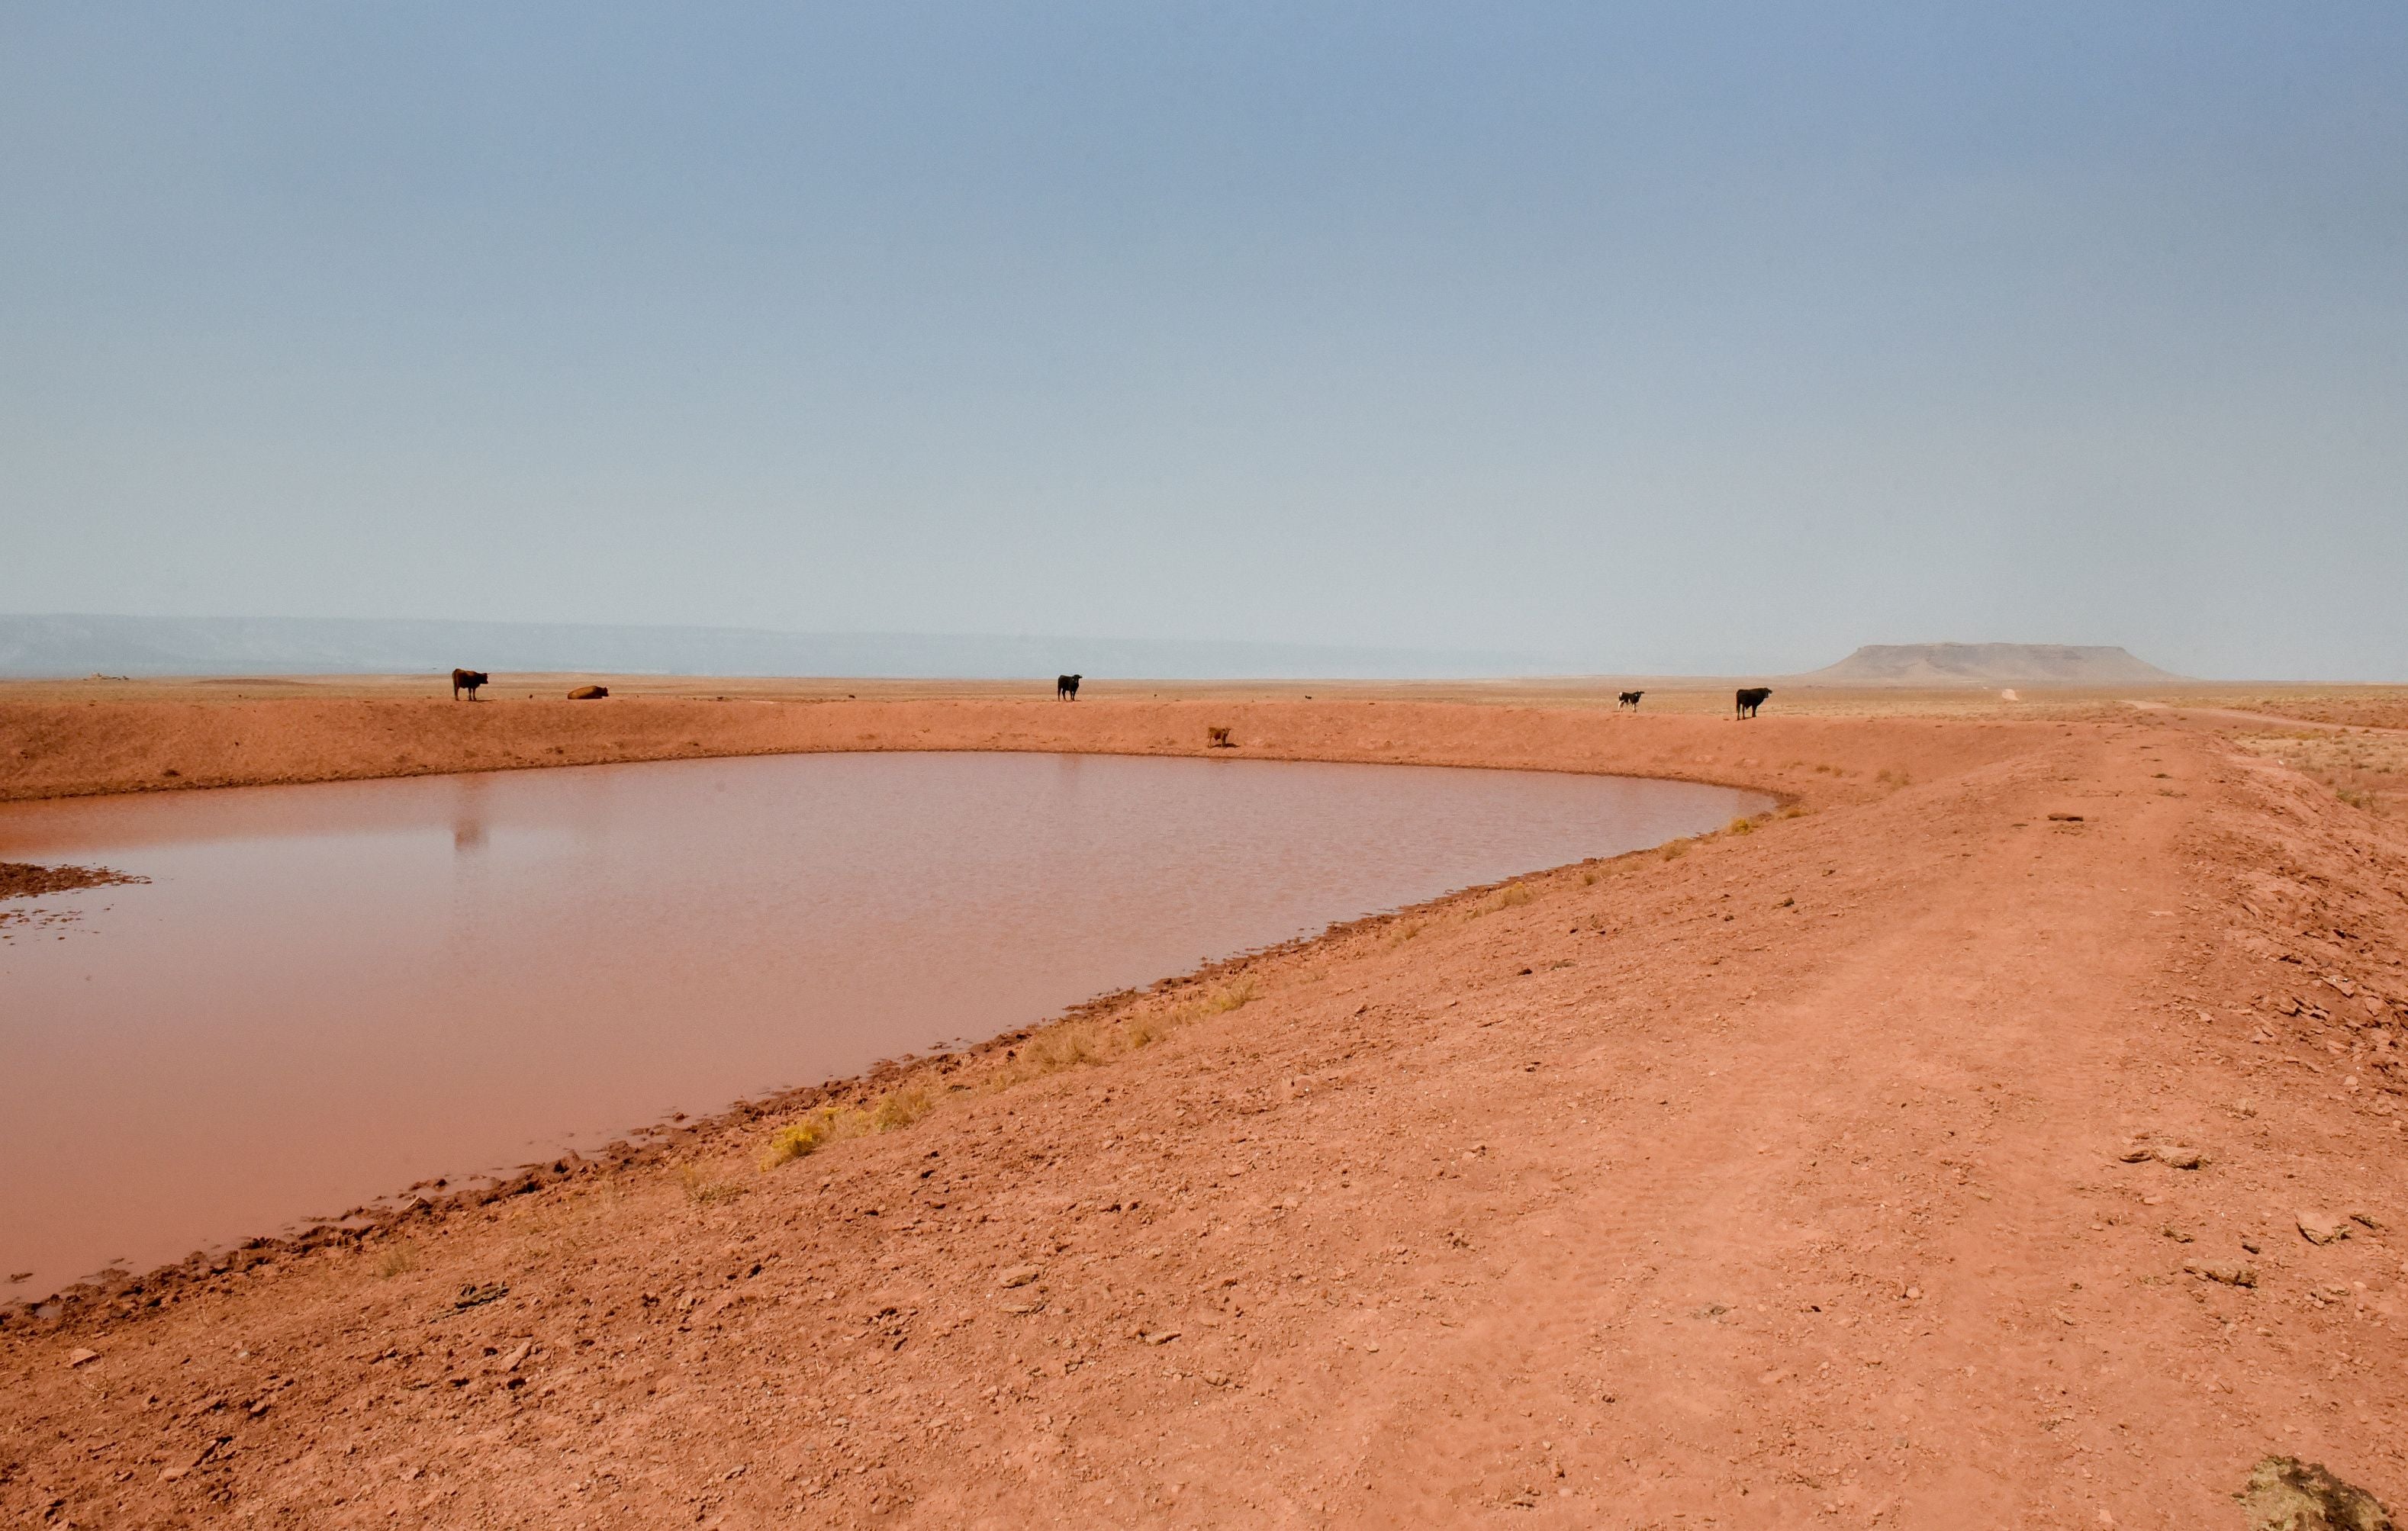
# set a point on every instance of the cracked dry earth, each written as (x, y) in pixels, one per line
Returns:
(1826, 1173)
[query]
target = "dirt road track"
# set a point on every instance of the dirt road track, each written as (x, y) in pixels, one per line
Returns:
(1781, 1182)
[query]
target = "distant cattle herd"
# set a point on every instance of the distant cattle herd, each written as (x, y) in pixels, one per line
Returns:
(1066, 688)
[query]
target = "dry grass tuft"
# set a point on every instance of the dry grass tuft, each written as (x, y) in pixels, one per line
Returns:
(900, 1108)
(397, 1260)
(1071, 1044)
(1404, 933)
(702, 1191)
(1676, 849)
(1236, 996)
(814, 1131)
(1741, 825)
(1512, 897)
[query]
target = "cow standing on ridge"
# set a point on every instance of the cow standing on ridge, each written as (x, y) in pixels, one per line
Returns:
(467, 681)
(1630, 700)
(1066, 688)
(1750, 698)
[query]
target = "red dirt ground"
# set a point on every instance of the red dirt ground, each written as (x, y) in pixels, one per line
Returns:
(1785, 1178)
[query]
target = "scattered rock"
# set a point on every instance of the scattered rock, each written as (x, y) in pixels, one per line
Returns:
(2323, 1227)
(2367, 1220)
(2178, 1158)
(2135, 1154)
(78, 1357)
(1017, 1276)
(476, 1297)
(2177, 1234)
(2286, 1493)
(2230, 1275)
(2065, 818)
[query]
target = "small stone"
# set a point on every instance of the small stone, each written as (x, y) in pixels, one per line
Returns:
(2367, 1219)
(2322, 1227)
(2178, 1158)
(1017, 1276)
(2229, 1275)
(2135, 1154)
(2177, 1234)
(78, 1357)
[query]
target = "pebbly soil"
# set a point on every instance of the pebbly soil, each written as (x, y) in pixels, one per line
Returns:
(2008, 1137)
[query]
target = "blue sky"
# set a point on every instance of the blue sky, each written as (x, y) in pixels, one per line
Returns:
(1659, 337)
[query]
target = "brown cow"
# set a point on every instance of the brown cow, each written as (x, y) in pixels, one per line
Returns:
(467, 681)
(1750, 698)
(588, 694)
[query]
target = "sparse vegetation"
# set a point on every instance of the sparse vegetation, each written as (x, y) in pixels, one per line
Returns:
(1741, 825)
(1676, 849)
(1070, 1044)
(899, 1108)
(702, 1191)
(1404, 933)
(816, 1130)
(398, 1259)
(1512, 897)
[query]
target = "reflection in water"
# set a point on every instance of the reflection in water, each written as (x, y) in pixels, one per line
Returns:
(469, 812)
(330, 992)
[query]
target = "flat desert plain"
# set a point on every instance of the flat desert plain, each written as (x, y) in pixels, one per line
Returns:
(2005, 1132)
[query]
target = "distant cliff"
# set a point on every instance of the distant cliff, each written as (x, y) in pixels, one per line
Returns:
(1988, 665)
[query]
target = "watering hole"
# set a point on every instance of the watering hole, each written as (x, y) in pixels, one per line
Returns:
(326, 992)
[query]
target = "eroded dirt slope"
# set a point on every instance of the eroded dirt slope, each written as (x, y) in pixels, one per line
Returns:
(1940, 1156)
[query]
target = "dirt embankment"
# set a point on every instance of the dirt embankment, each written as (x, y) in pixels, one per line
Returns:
(2004, 1140)
(62, 749)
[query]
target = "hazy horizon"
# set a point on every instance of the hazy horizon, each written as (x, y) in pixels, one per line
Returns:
(1659, 340)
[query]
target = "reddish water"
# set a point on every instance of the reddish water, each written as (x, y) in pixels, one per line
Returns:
(327, 992)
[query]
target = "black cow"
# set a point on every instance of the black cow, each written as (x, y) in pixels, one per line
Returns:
(467, 681)
(1750, 698)
(1066, 688)
(1630, 700)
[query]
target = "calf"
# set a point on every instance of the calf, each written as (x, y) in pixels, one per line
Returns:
(1066, 688)
(467, 681)
(1750, 698)
(1630, 700)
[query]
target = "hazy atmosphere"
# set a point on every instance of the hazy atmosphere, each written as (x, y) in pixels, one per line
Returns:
(1655, 340)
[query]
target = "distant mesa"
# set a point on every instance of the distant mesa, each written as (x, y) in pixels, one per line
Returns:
(1989, 665)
